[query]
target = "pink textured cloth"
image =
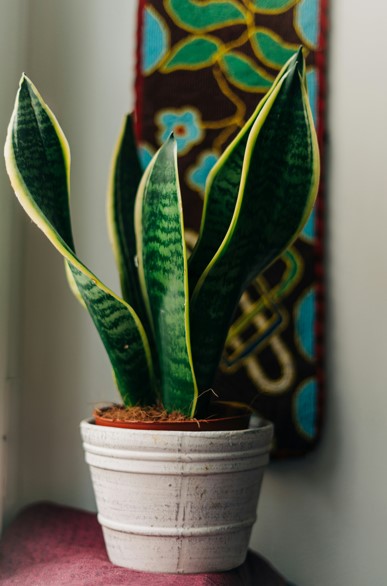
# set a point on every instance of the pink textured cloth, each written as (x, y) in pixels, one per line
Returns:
(49, 545)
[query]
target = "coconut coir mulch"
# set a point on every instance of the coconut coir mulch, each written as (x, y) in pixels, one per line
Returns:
(148, 414)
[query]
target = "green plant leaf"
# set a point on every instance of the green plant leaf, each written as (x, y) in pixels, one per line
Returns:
(221, 192)
(163, 276)
(277, 191)
(73, 284)
(38, 163)
(125, 178)
(199, 16)
(271, 48)
(244, 73)
(192, 53)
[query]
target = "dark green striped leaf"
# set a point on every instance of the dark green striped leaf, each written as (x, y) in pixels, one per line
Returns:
(279, 184)
(221, 193)
(125, 179)
(163, 276)
(38, 161)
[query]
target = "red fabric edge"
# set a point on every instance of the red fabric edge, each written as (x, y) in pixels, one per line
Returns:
(321, 62)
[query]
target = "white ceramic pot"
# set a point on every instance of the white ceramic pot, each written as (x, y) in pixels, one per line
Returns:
(176, 501)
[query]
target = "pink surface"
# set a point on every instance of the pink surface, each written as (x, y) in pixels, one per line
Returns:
(49, 545)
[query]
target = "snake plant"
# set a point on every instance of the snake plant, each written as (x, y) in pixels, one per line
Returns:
(165, 334)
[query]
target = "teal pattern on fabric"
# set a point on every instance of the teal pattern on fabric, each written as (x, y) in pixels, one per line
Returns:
(308, 21)
(311, 82)
(305, 316)
(305, 403)
(145, 154)
(309, 231)
(199, 174)
(155, 41)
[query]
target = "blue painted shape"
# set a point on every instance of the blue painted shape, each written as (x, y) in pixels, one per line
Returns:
(309, 230)
(199, 174)
(145, 154)
(307, 16)
(155, 41)
(305, 408)
(185, 125)
(311, 82)
(305, 313)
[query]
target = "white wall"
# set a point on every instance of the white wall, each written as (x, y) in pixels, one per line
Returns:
(12, 33)
(322, 520)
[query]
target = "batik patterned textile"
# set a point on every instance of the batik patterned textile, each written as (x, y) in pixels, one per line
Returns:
(203, 65)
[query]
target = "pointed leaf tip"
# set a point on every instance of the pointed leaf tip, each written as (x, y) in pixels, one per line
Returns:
(296, 69)
(26, 83)
(169, 147)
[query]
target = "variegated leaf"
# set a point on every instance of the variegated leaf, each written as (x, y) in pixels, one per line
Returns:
(163, 276)
(221, 192)
(38, 163)
(125, 179)
(279, 184)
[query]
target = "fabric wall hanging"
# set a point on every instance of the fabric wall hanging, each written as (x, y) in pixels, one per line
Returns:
(202, 66)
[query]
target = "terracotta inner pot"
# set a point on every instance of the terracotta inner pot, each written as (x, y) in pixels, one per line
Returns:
(222, 418)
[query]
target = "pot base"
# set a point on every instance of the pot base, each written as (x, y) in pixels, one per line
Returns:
(177, 555)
